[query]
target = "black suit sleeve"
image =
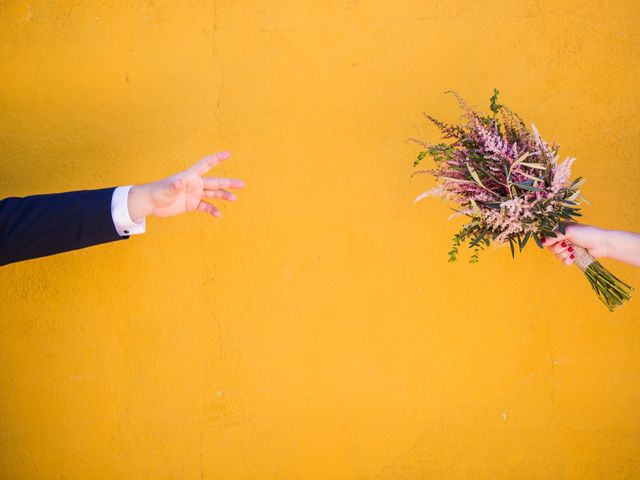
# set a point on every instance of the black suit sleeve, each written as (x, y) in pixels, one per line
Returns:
(41, 225)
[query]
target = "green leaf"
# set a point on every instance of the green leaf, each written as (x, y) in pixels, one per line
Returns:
(527, 187)
(507, 172)
(475, 207)
(420, 157)
(479, 237)
(522, 158)
(537, 239)
(577, 183)
(536, 179)
(584, 200)
(513, 251)
(475, 176)
(494, 105)
(537, 166)
(573, 196)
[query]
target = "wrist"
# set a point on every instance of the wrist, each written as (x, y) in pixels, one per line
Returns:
(609, 240)
(138, 203)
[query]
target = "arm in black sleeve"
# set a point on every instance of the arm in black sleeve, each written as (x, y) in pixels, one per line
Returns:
(41, 225)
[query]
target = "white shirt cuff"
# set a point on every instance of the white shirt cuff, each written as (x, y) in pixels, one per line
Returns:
(120, 214)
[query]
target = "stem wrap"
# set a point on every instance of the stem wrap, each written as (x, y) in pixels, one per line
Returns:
(612, 291)
(583, 257)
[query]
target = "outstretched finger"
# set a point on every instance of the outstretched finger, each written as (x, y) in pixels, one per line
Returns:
(221, 194)
(204, 165)
(212, 183)
(208, 208)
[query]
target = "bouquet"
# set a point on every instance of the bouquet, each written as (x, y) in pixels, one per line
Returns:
(512, 187)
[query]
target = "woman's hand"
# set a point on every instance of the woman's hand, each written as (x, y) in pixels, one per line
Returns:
(599, 242)
(593, 239)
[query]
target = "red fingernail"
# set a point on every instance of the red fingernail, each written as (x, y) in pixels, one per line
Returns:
(570, 249)
(572, 256)
(564, 244)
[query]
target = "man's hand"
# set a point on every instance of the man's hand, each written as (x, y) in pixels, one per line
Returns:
(183, 192)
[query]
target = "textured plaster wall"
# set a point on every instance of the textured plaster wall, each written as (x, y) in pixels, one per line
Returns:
(317, 331)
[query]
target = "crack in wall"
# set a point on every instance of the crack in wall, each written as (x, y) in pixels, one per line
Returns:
(553, 372)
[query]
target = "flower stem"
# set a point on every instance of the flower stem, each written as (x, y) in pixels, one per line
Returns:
(612, 291)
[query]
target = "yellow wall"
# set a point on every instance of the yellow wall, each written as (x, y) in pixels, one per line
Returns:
(317, 331)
